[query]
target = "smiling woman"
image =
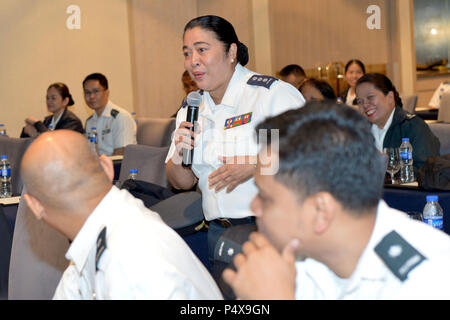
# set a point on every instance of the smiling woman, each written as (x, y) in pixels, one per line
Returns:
(58, 98)
(380, 102)
(234, 101)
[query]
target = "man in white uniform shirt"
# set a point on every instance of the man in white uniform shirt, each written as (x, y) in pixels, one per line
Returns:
(115, 126)
(119, 248)
(323, 232)
(435, 101)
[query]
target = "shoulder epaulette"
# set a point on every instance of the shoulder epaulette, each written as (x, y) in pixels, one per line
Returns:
(114, 112)
(398, 255)
(101, 246)
(261, 81)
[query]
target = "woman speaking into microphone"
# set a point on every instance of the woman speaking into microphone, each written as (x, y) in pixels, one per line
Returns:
(233, 101)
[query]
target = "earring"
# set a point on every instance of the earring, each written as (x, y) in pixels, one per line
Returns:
(232, 60)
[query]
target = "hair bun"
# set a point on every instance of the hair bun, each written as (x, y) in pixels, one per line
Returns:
(242, 54)
(71, 102)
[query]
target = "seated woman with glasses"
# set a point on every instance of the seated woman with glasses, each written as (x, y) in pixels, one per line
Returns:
(380, 102)
(58, 99)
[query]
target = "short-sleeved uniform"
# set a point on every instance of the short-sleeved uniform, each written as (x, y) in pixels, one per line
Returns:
(404, 259)
(126, 251)
(435, 101)
(228, 129)
(116, 128)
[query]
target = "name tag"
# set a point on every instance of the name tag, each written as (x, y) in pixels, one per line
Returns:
(106, 131)
(238, 120)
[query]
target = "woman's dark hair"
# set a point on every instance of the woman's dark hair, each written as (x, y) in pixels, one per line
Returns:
(224, 32)
(382, 83)
(99, 77)
(63, 91)
(355, 61)
(324, 87)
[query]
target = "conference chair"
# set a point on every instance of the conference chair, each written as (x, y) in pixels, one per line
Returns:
(444, 108)
(442, 132)
(156, 132)
(14, 148)
(37, 257)
(150, 162)
(183, 212)
(409, 103)
(5, 253)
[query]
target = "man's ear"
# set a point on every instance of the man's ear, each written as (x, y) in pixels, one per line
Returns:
(107, 166)
(325, 206)
(35, 206)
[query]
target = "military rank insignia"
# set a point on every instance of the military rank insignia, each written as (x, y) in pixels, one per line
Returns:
(261, 81)
(238, 120)
(101, 246)
(398, 255)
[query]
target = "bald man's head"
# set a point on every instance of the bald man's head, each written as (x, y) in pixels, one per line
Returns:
(60, 170)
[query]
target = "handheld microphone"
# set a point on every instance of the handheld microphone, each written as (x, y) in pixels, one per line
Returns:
(194, 99)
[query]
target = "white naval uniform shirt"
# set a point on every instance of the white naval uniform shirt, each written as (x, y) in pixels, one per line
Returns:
(435, 101)
(144, 258)
(240, 98)
(379, 134)
(372, 279)
(113, 132)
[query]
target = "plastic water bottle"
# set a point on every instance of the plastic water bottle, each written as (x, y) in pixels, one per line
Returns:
(2, 130)
(93, 139)
(406, 169)
(133, 174)
(5, 190)
(433, 213)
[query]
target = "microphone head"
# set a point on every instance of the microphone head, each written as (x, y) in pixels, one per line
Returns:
(194, 99)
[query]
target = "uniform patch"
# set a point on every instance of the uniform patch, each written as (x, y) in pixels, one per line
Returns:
(238, 120)
(261, 81)
(226, 250)
(398, 255)
(101, 246)
(114, 113)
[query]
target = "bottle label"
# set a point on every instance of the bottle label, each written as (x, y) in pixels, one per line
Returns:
(406, 155)
(6, 172)
(93, 139)
(436, 222)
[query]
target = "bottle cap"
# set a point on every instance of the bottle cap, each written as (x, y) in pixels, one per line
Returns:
(133, 170)
(405, 139)
(4, 156)
(432, 198)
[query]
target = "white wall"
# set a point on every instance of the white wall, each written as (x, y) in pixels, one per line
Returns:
(38, 49)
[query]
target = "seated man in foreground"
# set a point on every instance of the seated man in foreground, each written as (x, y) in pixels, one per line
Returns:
(120, 249)
(324, 232)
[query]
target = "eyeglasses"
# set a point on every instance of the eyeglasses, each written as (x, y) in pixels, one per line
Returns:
(95, 92)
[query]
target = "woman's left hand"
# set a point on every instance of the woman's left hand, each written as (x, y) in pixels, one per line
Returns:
(31, 121)
(236, 170)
